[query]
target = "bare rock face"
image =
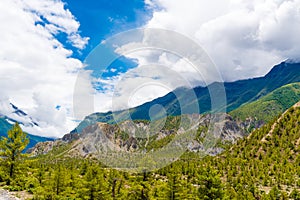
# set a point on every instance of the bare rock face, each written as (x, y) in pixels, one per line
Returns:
(251, 123)
(131, 137)
(232, 131)
(42, 148)
(217, 129)
(102, 137)
(70, 137)
(45, 147)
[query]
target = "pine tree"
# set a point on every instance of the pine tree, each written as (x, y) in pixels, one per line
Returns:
(211, 186)
(11, 148)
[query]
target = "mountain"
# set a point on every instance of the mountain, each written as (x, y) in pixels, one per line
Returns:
(11, 114)
(263, 165)
(267, 161)
(143, 136)
(270, 106)
(34, 139)
(237, 94)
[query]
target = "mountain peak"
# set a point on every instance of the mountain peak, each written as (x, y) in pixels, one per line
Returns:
(237, 93)
(12, 114)
(283, 68)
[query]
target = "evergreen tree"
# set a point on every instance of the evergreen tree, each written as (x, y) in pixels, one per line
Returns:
(210, 185)
(11, 148)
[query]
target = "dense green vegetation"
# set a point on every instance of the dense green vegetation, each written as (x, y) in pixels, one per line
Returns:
(266, 165)
(271, 105)
(11, 150)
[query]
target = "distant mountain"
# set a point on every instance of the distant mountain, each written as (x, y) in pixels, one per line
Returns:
(237, 94)
(270, 106)
(12, 114)
(9, 114)
(143, 136)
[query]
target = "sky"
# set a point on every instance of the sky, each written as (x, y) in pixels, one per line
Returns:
(45, 46)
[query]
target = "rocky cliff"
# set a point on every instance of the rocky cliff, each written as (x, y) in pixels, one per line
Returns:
(148, 136)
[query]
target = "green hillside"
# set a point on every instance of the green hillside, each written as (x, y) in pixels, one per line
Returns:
(5, 126)
(237, 94)
(265, 165)
(271, 105)
(268, 161)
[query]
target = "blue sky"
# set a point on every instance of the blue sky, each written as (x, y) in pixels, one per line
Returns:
(99, 19)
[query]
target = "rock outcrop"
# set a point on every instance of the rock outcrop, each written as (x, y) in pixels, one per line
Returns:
(136, 136)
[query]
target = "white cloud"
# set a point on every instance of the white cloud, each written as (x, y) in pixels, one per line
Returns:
(167, 60)
(135, 87)
(57, 18)
(244, 38)
(37, 72)
(78, 41)
(155, 76)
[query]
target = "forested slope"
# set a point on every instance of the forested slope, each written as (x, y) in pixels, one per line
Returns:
(265, 165)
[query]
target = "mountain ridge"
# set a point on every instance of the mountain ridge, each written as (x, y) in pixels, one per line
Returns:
(237, 93)
(12, 114)
(271, 105)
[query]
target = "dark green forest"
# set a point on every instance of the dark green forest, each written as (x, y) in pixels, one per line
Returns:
(264, 165)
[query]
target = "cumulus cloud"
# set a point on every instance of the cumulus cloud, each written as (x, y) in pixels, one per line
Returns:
(167, 60)
(244, 38)
(135, 87)
(37, 71)
(56, 19)
(38, 74)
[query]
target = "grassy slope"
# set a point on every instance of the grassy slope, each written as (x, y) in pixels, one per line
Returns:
(271, 105)
(268, 158)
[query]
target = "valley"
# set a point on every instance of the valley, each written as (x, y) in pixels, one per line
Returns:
(149, 100)
(250, 153)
